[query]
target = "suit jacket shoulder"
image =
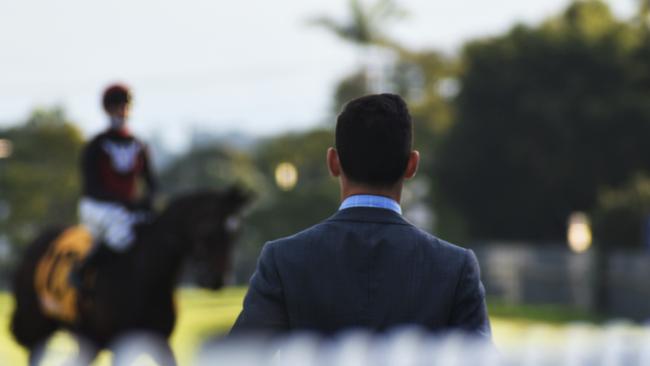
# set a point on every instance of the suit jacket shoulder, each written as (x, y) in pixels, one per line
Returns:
(342, 224)
(368, 268)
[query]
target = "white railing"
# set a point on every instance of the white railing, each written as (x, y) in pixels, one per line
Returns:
(614, 345)
(574, 345)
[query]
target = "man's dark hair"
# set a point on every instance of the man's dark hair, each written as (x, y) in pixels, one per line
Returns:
(374, 135)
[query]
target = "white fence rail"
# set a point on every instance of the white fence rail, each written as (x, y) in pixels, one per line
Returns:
(615, 345)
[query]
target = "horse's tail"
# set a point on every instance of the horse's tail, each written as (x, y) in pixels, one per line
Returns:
(28, 323)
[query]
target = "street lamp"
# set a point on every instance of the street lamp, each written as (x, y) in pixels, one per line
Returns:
(286, 176)
(6, 148)
(579, 232)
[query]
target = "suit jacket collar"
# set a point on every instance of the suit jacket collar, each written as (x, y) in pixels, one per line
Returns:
(369, 214)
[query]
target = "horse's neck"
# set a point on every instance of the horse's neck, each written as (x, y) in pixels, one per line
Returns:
(159, 254)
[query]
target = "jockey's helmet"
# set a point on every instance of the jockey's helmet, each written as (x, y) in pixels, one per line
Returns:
(116, 94)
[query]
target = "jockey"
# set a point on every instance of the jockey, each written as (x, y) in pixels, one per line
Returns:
(112, 165)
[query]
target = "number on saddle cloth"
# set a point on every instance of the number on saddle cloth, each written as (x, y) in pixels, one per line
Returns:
(57, 298)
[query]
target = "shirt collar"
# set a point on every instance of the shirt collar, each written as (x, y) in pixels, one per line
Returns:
(369, 200)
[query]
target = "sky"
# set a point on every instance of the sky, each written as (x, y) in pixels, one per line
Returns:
(251, 66)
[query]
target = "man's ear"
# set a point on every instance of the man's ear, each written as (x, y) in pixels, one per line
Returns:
(333, 163)
(412, 165)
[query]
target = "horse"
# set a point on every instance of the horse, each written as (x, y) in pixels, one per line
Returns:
(133, 293)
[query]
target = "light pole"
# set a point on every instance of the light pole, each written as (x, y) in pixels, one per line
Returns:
(579, 232)
(6, 148)
(286, 176)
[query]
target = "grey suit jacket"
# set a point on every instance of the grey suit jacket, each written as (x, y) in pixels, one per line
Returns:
(364, 268)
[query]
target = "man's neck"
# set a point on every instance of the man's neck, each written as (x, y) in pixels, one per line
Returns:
(124, 132)
(350, 189)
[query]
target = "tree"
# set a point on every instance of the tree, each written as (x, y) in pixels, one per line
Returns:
(211, 167)
(365, 24)
(365, 28)
(620, 218)
(547, 117)
(643, 14)
(350, 87)
(39, 182)
(315, 195)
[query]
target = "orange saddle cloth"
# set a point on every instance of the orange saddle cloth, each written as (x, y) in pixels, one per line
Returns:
(57, 298)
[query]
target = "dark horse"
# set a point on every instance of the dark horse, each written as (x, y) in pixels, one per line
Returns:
(134, 292)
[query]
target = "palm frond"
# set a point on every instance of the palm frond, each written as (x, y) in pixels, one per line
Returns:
(365, 24)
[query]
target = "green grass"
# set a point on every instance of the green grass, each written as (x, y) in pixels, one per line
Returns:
(553, 314)
(10, 353)
(203, 314)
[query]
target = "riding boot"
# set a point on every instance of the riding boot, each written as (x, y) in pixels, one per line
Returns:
(99, 255)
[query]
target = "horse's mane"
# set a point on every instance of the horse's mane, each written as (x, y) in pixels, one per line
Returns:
(229, 198)
(190, 208)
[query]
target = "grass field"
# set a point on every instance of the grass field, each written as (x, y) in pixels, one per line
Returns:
(203, 314)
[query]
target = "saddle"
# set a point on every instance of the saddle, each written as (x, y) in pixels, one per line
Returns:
(58, 299)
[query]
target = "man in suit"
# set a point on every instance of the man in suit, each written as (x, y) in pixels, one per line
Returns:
(366, 266)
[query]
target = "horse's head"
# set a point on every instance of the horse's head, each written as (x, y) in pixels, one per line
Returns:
(209, 222)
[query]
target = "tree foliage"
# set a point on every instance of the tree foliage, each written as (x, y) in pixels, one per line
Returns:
(314, 197)
(350, 87)
(547, 117)
(365, 24)
(365, 28)
(211, 167)
(39, 182)
(622, 214)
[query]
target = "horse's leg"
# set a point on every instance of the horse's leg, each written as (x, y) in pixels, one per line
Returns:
(32, 330)
(132, 346)
(165, 355)
(37, 352)
(29, 326)
(87, 353)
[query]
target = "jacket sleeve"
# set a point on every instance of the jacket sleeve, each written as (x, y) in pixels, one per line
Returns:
(149, 177)
(264, 308)
(469, 312)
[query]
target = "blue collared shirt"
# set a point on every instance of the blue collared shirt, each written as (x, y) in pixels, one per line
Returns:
(369, 200)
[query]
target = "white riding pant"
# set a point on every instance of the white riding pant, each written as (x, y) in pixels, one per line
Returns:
(108, 222)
